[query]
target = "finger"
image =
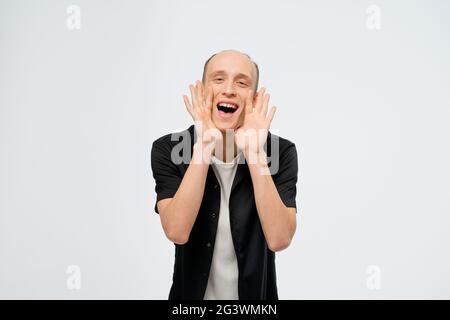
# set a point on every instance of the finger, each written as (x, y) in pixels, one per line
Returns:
(197, 92)
(193, 96)
(248, 102)
(200, 96)
(188, 105)
(259, 100)
(271, 114)
(265, 105)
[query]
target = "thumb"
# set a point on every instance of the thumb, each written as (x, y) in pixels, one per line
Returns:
(209, 98)
(248, 102)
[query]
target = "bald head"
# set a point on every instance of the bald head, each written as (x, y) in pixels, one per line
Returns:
(238, 57)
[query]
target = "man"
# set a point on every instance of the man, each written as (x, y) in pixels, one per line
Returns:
(227, 209)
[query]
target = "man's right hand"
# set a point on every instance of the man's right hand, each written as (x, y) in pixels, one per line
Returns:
(208, 136)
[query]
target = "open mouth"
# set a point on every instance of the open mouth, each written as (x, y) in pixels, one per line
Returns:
(227, 107)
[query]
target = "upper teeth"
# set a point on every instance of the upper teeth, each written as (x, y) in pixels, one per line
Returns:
(228, 105)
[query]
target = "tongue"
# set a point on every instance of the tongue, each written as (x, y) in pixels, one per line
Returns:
(226, 115)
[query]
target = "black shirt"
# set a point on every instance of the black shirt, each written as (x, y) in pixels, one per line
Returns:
(256, 262)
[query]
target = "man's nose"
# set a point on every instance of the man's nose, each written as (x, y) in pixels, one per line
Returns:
(229, 89)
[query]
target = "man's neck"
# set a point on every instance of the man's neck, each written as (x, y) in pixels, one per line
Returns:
(229, 149)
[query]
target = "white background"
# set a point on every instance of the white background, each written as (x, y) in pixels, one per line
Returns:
(367, 109)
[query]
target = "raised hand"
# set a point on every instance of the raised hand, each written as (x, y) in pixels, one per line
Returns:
(201, 111)
(252, 135)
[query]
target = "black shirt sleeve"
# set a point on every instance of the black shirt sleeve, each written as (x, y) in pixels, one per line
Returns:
(165, 172)
(286, 178)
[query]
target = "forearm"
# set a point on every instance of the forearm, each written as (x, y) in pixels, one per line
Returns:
(182, 211)
(277, 221)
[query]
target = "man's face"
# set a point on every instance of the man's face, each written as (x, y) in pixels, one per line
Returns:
(231, 76)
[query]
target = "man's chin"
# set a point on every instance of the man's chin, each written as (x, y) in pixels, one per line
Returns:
(223, 127)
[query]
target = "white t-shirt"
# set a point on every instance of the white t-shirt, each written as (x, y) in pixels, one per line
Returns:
(223, 275)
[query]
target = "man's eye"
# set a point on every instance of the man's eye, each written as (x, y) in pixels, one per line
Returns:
(242, 83)
(218, 79)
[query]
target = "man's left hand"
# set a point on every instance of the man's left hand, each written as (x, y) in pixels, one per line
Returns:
(252, 135)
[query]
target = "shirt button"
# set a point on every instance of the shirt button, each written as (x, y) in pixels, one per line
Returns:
(215, 186)
(208, 244)
(213, 215)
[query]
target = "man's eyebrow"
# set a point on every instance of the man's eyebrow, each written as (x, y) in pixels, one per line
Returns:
(217, 72)
(239, 75)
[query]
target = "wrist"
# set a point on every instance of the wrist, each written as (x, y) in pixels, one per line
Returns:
(257, 163)
(255, 156)
(202, 153)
